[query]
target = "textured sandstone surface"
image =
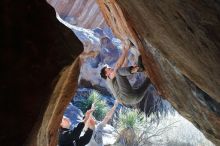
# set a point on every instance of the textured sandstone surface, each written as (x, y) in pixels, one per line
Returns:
(35, 48)
(180, 45)
(60, 98)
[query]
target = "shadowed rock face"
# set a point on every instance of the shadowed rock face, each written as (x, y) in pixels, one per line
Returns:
(35, 48)
(180, 44)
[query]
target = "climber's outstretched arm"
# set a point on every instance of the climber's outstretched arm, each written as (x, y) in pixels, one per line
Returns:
(88, 116)
(126, 46)
(110, 113)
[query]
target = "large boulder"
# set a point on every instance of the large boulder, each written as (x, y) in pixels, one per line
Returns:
(179, 41)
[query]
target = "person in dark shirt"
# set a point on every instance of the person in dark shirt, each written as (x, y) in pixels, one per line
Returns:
(68, 137)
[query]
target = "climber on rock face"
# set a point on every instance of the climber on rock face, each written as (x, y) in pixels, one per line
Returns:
(116, 79)
(68, 137)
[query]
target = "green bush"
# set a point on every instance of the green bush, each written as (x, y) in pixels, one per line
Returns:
(101, 106)
(131, 118)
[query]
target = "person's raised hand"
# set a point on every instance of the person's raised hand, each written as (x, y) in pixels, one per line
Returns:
(127, 44)
(87, 115)
(93, 106)
(92, 122)
(88, 112)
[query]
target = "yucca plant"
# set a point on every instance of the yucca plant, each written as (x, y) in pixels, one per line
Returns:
(137, 130)
(101, 106)
(130, 122)
(131, 118)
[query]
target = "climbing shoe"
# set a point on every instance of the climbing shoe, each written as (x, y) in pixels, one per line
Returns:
(140, 64)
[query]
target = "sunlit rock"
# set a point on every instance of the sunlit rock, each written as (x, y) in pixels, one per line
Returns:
(179, 42)
(81, 13)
